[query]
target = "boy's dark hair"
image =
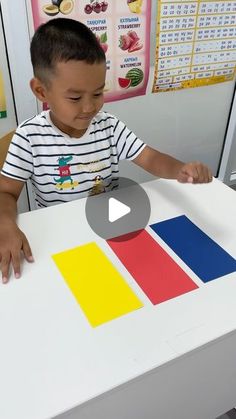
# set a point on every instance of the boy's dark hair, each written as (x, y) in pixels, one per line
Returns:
(61, 40)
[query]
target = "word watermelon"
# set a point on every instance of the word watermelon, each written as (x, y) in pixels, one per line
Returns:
(135, 75)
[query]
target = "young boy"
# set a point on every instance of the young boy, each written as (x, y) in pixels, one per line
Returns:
(66, 151)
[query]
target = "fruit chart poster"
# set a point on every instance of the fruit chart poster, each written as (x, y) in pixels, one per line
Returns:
(196, 43)
(3, 111)
(123, 30)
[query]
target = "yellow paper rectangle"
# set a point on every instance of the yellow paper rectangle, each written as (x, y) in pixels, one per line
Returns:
(98, 287)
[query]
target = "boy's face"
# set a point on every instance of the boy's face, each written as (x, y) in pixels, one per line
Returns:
(75, 95)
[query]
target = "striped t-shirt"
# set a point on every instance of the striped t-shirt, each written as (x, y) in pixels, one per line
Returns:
(62, 168)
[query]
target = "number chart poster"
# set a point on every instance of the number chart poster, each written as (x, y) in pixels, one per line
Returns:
(3, 111)
(123, 30)
(196, 43)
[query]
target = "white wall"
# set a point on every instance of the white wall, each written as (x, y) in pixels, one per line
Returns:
(234, 168)
(18, 42)
(9, 123)
(189, 124)
(227, 172)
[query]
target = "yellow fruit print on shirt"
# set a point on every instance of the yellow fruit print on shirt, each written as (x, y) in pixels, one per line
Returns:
(98, 186)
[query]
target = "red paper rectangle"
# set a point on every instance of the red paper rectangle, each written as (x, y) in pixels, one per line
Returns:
(153, 269)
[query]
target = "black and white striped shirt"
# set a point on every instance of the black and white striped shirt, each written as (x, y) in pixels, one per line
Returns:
(62, 168)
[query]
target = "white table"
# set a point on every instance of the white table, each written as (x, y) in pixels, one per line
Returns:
(173, 360)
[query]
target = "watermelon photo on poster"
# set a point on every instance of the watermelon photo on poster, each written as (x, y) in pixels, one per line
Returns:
(123, 30)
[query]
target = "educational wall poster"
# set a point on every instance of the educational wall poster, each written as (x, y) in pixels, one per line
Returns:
(196, 43)
(3, 111)
(123, 30)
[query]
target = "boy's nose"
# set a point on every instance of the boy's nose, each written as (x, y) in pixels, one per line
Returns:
(88, 106)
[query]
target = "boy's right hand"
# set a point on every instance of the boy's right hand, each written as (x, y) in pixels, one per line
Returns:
(12, 243)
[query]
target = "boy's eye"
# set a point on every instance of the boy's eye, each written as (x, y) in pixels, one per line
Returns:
(98, 94)
(75, 99)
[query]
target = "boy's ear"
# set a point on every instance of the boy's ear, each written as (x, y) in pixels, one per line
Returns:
(38, 89)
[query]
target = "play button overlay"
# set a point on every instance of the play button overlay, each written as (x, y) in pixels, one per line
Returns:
(122, 210)
(117, 210)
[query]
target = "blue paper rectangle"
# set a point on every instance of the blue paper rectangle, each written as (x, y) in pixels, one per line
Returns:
(202, 254)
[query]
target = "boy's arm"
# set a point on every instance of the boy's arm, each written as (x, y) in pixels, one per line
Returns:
(164, 166)
(12, 240)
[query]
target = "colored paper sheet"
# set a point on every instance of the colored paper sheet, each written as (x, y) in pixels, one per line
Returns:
(203, 255)
(97, 286)
(153, 269)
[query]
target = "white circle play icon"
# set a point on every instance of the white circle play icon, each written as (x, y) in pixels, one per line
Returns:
(117, 210)
(121, 210)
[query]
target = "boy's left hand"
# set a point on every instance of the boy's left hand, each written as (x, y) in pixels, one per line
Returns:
(194, 172)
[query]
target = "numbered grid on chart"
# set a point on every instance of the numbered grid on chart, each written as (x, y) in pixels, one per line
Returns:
(195, 40)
